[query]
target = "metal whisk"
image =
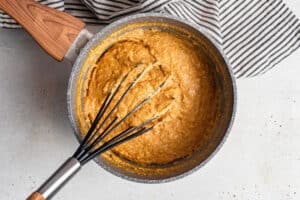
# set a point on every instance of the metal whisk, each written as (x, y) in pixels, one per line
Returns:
(95, 141)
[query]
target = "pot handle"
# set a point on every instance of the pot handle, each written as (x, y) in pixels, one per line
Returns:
(54, 30)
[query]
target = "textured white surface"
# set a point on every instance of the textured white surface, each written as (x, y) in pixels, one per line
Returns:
(260, 160)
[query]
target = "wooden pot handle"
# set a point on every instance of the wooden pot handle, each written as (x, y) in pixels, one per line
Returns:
(35, 196)
(54, 30)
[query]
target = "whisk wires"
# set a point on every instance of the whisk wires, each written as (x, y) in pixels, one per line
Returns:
(93, 143)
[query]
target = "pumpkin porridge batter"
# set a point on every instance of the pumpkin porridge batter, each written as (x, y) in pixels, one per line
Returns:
(186, 104)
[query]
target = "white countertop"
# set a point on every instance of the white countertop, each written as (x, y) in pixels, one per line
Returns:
(259, 161)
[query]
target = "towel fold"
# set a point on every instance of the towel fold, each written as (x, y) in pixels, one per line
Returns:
(255, 34)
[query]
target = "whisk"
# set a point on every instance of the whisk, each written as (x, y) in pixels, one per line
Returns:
(95, 141)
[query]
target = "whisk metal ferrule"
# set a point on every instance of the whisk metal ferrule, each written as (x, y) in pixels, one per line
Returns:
(60, 177)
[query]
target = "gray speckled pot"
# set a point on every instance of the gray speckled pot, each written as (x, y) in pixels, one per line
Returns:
(225, 80)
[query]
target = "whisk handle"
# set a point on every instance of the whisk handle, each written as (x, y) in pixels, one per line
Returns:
(36, 196)
(57, 180)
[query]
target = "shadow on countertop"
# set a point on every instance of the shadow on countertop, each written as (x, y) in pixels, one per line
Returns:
(34, 85)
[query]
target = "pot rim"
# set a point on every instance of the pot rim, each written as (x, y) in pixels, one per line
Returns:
(109, 29)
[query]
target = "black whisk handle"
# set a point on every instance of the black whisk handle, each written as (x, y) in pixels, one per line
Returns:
(55, 182)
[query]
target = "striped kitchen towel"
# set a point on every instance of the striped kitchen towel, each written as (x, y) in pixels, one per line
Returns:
(254, 34)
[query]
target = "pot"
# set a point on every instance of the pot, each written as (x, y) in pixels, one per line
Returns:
(64, 37)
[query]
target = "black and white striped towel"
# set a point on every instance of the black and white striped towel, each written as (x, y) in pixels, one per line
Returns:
(255, 34)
